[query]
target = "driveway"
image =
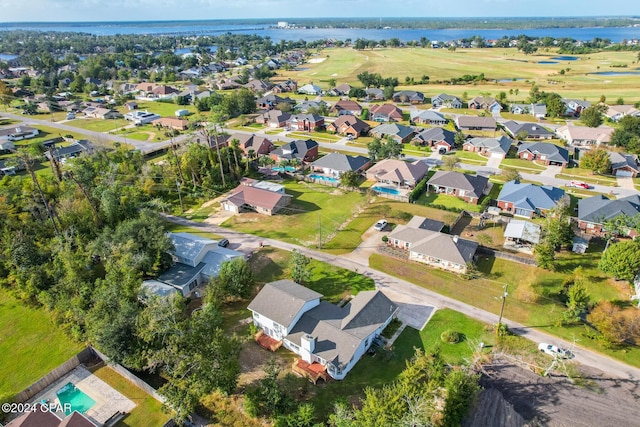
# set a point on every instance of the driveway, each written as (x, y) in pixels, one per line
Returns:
(494, 162)
(551, 171)
(626, 182)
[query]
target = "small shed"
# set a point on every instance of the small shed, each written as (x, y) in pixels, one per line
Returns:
(580, 245)
(182, 113)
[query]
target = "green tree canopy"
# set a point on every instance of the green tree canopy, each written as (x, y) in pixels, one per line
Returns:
(596, 160)
(622, 260)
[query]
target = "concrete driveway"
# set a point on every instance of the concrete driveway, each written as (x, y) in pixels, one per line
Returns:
(626, 182)
(551, 171)
(494, 162)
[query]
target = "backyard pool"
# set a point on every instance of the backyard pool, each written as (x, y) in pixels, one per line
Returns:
(323, 178)
(284, 169)
(73, 399)
(386, 190)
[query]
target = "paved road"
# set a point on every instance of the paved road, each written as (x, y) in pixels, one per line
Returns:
(412, 297)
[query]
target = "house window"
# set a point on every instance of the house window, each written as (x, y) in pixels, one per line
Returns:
(406, 245)
(256, 315)
(366, 342)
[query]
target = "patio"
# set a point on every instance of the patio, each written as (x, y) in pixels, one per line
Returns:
(314, 371)
(108, 402)
(266, 342)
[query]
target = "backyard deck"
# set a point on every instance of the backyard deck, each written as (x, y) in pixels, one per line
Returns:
(314, 371)
(266, 342)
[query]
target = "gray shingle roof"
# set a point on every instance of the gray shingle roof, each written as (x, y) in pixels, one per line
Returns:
(437, 134)
(530, 196)
(281, 301)
(551, 151)
(493, 145)
(425, 223)
(427, 115)
(297, 148)
(395, 129)
(341, 162)
(472, 183)
(532, 129)
(619, 160)
(476, 122)
(598, 209)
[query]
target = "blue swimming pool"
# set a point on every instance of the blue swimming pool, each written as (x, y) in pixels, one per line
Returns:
(284, 169)
(386, 190)
(323, 178)
(73, 399)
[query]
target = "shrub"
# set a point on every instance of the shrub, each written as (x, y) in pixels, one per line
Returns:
(449, 336)
(420, 188)
(385, 239)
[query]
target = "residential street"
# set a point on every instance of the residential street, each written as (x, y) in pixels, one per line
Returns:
(417, 303)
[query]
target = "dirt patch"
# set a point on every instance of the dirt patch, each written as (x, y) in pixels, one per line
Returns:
(599, 400)
(253, 361)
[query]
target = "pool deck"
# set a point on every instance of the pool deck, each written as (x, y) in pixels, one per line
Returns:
(108, 401)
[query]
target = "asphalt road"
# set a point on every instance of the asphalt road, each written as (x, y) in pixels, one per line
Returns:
(408, 294)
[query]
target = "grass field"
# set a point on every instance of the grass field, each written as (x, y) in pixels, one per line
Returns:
(147, 413)
(98, 125)
(30, 345)
(522, 164)
(164, 109)
(344, 64)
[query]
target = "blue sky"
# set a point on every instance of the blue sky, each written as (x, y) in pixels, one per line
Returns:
(134, 10)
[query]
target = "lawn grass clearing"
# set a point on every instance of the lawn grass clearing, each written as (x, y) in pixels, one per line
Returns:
(522, 164)
(178, 228)
(164, 109)
(31, 345)
(449, 202)
(98, 125)
(147, 413)
(469, 157)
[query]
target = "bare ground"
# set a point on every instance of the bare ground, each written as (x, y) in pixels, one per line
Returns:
(525, 398)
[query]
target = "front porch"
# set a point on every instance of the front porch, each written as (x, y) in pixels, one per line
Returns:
(314, 371)
(266, 342)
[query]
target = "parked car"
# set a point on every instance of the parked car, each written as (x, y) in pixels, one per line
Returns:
(555, 351)
(380, 225)
(223, 243)
(580, 184)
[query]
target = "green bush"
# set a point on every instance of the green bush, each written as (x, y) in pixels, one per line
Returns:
(418, 190)
(449, 336)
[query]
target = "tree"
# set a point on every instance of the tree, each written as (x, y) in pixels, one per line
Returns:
(622, 260)
(459, 139)
(577, 302)
(617, 325)
(449, 163)
(349, 179)
(545, 255)
(234, 279)
(592, 116)
(596, 160)
(6, 95)
(510, 174)
(299, 267)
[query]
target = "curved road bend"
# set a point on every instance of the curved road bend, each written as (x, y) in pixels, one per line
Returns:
(401, 290)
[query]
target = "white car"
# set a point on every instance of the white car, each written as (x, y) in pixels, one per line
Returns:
(380, 225)
(555, 351)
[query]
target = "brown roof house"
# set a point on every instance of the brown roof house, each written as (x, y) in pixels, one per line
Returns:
(349, 126)
(273, 118)
(256, 199)
(432, 247)
(259, 144)
(469, 188)
(585, 136)
(398, 172)
(475, 123)
(385, 113)
(39, 417)
(346, 107)
(171, 123)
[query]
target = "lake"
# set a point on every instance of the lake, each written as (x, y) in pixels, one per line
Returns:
(615, 34)
(7, 57)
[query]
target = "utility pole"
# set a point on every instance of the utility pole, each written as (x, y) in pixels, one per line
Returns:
(504, 299)
(179, 196)
(319, 233)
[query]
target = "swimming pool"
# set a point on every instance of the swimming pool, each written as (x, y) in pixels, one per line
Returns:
(284, 169)
(323, 178)
(73, 399)
(386, 190)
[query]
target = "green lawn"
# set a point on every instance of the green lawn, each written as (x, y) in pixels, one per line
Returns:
(522, 164)
(164, 109)
(451, 202)
(314, 209)
(469, 157)
(579, 174)
(318, 136)
(98, 125)
(147, 413)
(30, 345)
(177, 228)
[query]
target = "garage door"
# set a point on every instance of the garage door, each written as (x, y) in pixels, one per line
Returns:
(622, 172)
(497, 156)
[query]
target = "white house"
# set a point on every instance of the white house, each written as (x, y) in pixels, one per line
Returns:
(310, 89)
(329, 339)
(141, 117)
(8, 135)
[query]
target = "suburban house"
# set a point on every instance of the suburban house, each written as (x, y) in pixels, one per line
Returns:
(574, 107)
(258, 86)
(171, 123)
(310, 106)
(594, 211)
(432, 247)
(9, 135)
(343, 107)
(340, 90)
(385, 113)
(251, 197)
(310, 89)
(527, 130)
(196, 261)
(536, 110)
(45, 416)
(485, 103)
(273, 118)
(624, 164)
(269, 102)
(140, 117)
(447, 101)
(469, 188)
(408, 97)
(304, 151)
(521, 235)
(336, 164)
(438, 138)
(493, 147)
(428, 117)
(544, 152)
(257, 144)
(374, 94)
(527, 200)
(286, 86)
(72, 150)
(398, 172)
(585, 136)
(101, 113)
(329, 339)
(616, 112)
(349, 126)
(475, 123)
(399, 133)
(306, 122)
